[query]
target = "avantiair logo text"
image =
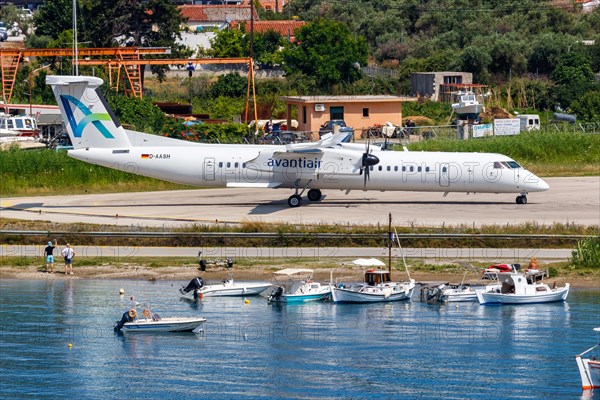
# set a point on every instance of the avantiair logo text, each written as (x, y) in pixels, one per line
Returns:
(94, 118)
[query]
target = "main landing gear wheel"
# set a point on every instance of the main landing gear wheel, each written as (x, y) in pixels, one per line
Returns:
(522, 199)
(295, 201)
(314, 195)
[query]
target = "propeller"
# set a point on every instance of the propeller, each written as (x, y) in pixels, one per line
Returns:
(368, 160)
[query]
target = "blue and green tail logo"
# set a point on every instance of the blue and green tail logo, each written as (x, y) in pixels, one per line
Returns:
(94, 118)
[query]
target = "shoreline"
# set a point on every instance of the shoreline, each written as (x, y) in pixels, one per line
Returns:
(186, 273)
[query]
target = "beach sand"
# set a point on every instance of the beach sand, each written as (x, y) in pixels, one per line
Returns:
(185, 273)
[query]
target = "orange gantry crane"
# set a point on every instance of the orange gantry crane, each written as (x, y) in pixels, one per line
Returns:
(10, 59)
(132, 72)
(121, 58)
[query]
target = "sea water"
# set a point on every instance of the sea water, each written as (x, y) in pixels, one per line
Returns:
(400, 350)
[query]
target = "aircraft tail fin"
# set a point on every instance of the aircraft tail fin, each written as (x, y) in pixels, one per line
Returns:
(89, 120)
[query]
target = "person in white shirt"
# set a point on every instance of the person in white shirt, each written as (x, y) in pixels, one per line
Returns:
(68, 254)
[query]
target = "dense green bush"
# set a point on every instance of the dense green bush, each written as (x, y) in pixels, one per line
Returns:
(206, 133)
(230, 85)
(587, 253)
(141, 114)
(437, 111)
(587, 107)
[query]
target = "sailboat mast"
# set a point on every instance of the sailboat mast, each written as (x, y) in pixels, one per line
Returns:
(390, 241)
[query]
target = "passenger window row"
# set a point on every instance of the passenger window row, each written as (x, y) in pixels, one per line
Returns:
(404, 168)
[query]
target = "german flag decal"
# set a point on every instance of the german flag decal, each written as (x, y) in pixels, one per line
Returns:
(145, 155)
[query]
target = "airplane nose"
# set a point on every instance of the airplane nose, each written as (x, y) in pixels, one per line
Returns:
(543, 185)
(536, 184)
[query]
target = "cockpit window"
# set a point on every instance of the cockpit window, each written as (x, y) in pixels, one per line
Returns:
(513, 164)
(498, 165)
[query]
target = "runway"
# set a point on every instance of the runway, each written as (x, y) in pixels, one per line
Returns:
(569, 200)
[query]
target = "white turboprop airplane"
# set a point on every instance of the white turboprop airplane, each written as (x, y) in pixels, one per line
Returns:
(329, 163)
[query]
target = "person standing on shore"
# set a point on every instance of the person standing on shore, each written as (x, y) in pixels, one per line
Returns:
(49, 255)
(68, 254)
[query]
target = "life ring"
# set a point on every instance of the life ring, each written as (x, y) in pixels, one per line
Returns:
(132, 313)
(146, 313)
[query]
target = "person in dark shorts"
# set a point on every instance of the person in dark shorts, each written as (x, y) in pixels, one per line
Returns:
(68, 254)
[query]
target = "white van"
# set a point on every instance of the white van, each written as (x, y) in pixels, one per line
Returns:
(529, 122)
(25, 13)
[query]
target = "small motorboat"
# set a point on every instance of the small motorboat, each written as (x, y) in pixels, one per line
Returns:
(589, 368)
(377, 287)
(296, 286)
(151, 322)
(457, 293)
(451, 293)
(227, 287)
(515, 288)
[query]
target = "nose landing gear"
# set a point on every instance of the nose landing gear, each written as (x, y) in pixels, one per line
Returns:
(295, 200)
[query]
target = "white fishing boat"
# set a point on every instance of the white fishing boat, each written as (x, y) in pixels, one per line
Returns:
(377, 285)
(295, 285)
(227, 287)
(589, 368)
(151, 322)
(514, 288)
(468, 107)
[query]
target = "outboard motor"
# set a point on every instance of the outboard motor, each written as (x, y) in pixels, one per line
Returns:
(194, 284)
(124, 319)
(276, 294)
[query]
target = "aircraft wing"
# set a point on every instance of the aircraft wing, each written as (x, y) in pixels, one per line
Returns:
(327, 141)
(305, 162)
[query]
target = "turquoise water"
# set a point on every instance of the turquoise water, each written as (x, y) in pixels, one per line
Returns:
(403, 350)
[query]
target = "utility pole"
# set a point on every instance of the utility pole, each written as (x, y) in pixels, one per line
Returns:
(75, 49)
(252, 30)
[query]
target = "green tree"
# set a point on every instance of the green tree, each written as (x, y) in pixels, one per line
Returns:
(267, 47)
(476, 60)
(228, 43)
(54, 17)
(327, 51)
(236, 43)
(587, 107)
(508, 55)
(546, 52)
(573, 77)
(110, 23)
(230, 85)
